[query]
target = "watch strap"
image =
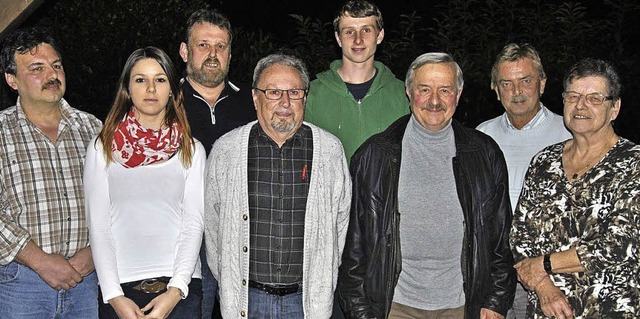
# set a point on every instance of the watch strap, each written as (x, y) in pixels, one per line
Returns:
(546, 263)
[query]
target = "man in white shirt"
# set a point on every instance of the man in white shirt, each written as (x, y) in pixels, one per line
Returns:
(525, 128)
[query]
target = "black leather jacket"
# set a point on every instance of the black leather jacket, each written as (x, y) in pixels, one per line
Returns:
(371, 262)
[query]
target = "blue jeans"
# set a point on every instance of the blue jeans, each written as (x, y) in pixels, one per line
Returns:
(24, 295)
(188, 308)
(265, 306)
(209, 286)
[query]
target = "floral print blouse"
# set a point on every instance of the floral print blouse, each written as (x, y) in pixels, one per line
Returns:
(599, 214)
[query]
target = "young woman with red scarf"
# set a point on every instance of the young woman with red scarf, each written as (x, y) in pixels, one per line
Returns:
(143, 183)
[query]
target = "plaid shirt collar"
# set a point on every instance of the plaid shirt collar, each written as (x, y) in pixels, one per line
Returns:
(68, 117)
(297, 137)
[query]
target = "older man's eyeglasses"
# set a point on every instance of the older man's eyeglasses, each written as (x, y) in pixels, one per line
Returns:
(591, 98)
(276, 94)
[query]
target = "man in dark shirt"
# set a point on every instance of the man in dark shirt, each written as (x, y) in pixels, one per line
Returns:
(273, 171)
(213, 104)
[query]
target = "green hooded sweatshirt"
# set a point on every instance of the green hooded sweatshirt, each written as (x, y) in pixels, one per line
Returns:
(331, 106)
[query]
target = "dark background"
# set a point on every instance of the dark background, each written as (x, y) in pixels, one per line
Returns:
(97, 36)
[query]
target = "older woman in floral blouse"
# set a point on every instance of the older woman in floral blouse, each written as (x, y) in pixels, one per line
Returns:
(575, 231)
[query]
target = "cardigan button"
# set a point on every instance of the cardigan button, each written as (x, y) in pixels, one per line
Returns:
(244, 217)
(244, 249)
(243, 314)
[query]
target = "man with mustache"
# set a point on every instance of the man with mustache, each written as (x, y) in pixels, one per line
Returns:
(526, 126)
(430, 216)
(277, 196)
(45, 258)
(214, 105)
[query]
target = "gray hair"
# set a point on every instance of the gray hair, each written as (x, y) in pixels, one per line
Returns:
(595, 67)
(514, 52)
(433, 58)
(282, 59)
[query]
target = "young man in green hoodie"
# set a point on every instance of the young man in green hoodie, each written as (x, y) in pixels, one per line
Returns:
(358, 96)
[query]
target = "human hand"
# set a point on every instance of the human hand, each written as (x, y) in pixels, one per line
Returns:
(82, 261)
(553, 302)
(531, 272)
(125, 308)
(489, 314)
(162, 305)
(57, 272)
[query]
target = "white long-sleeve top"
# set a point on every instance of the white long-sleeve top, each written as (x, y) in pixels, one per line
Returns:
(144, 222)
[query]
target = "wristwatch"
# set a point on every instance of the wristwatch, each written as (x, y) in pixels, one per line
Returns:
(546, 263)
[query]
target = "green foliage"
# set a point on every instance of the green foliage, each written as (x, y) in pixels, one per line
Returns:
(314, 41)
(403, 43)
(563, 32)
(97, 37)
(248, 47)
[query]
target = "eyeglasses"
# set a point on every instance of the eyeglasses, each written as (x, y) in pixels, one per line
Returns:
(591, 98)
(276, 94)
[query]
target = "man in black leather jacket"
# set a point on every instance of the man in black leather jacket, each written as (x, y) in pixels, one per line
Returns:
(372, 261)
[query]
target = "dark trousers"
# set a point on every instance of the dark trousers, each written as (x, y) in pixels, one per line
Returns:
(337, 311)
(188, 308)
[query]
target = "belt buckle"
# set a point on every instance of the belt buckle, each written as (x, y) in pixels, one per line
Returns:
(151, 286)
(283, 291)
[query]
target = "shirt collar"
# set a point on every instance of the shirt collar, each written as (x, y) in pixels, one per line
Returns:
(297, 137)
(229, 88)
(537, 119)
(68, 117)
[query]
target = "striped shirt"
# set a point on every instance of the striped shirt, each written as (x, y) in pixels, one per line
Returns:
(278, 190)
(41, 196)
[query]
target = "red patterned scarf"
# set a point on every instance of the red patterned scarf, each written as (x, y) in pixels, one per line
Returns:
(134, 145)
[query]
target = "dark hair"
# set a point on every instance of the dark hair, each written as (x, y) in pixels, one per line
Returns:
(21, 41)
(514, 52)
(358, 9)
(122, 103)
(595, 67)
(207, 16)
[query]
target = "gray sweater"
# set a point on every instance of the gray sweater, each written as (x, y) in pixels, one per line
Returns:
(226, 220)
(431, 223)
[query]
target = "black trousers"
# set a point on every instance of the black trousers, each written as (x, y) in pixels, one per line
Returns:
(188, 308)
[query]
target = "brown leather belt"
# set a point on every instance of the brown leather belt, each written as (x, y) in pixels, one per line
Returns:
(151, 285)
(279, 290)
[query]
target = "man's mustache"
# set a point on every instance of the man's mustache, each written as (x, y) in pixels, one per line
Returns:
(519, 98)
(211, 60)
(434, 107)
(50, 83)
